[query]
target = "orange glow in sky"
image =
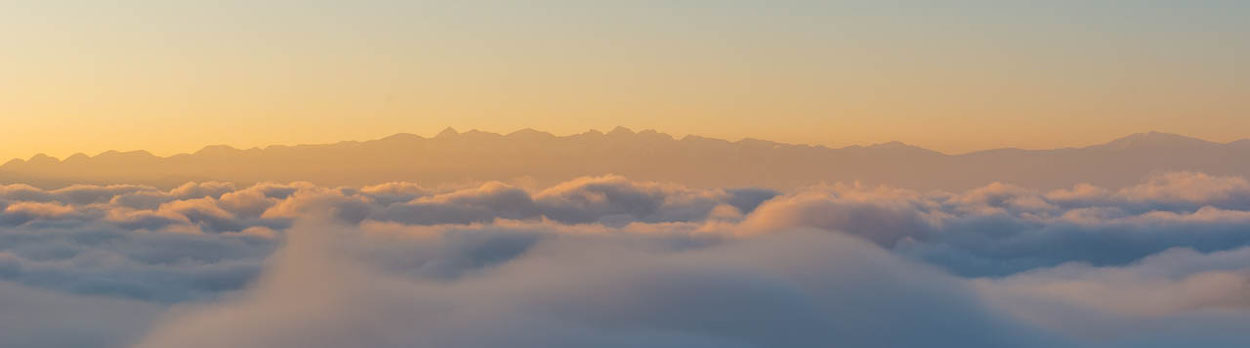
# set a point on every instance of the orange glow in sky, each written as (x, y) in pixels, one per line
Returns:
(173, 77)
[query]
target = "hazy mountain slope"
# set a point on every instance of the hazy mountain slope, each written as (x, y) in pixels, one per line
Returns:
(542, 158)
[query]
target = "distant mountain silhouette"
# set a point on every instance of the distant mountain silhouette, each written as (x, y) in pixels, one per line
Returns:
(543, 158)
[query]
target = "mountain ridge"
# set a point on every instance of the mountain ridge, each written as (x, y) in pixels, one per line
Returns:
(532, 133)
(541, 157)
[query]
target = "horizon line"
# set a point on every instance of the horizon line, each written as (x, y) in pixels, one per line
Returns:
(619, 130)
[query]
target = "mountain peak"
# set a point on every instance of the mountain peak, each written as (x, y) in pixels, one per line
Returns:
(114, 154)
(401, 137)
(653, 134)
(620, 130)
(897, 146)
(448, 132)
(530, 133)
(77, 157)
(1154, 139)
(890, 145)
(42, 158)
(479, 133)
(216, 150)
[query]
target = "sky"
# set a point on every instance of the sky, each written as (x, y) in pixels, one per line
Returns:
(173, 76)
(625, 241)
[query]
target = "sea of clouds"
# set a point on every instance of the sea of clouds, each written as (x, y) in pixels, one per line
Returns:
(609, 262)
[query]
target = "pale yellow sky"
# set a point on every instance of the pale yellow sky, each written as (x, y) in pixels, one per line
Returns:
(169, 77)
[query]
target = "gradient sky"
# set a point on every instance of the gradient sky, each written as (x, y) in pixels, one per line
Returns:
(172, 76)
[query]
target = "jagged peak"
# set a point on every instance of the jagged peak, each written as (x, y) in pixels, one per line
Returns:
(651, 133)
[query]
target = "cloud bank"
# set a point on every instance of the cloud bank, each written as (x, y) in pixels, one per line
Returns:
(605, 261)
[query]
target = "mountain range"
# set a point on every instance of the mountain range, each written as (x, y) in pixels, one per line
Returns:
(542, 158)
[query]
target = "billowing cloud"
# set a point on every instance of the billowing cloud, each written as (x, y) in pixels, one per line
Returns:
(605, 261)
(795, 289)
(1179, 295)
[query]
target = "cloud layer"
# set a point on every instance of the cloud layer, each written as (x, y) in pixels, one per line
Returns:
(605, 261)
